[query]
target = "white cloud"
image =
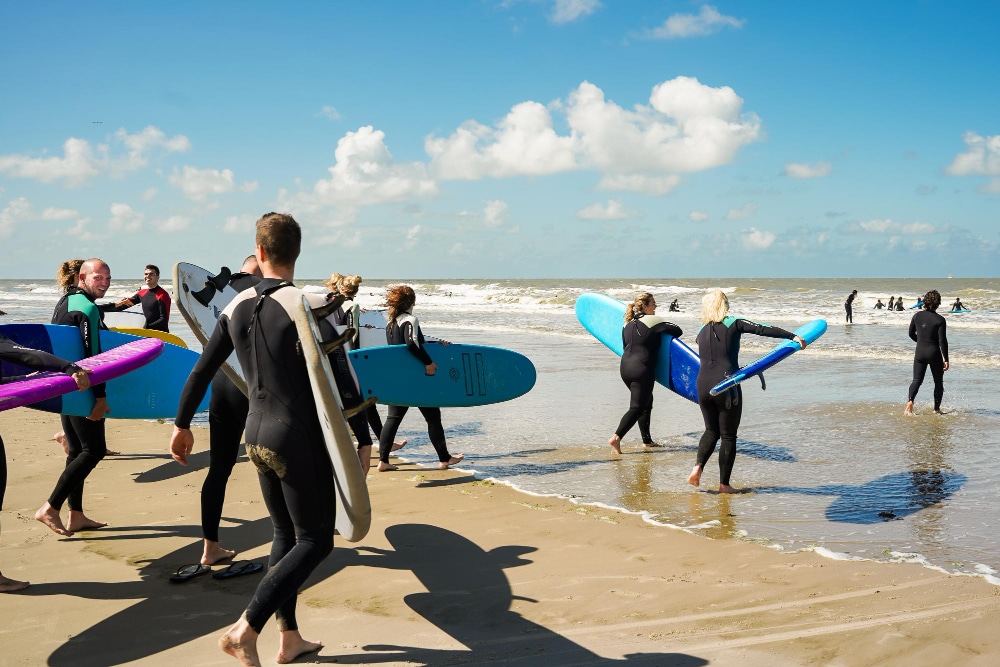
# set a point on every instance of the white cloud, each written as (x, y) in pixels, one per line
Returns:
(687, 127)
(52, 213)
(148, 194)
(174, 223)
(741, 213)
(199, 184)
(240, 224)
(457, 249)
(342, 238)
(412, 235)
(756, 239)
(80, 162)
(698, 216)
(982, 158)
(125, 219)
(566, 11)
(330, 112)
(803, 170)
(20, 210)
(613, 210)
(888, 226)
(707, 22)
(496, 213)
(79, 230)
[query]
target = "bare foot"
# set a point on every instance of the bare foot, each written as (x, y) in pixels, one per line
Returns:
(398, 444)
(291, 646)
(80, 521)
(725, 488)
(909, 409)
(49, 515)
(694, 479)
(938, 411)
(454, 460)
(651, 444)
(11, 585)
(60, 437)
(213, 553)
(240, 641)
(386, 467)
(616, 443)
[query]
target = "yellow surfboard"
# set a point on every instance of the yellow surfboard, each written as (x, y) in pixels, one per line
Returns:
(165, 336)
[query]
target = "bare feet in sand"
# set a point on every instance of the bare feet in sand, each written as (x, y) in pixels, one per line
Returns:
(213, 553)
(386, 467)
(11, 585)
(291, 645)
(694, 479)
(240, 641)
(454, 460)
(909, 409)
(49, 515)
(60, 437)
(616, 443)
(80, 521)
(725, 488)
(398, 444)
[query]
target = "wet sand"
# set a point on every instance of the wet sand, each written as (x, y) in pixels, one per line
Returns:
(454, 571)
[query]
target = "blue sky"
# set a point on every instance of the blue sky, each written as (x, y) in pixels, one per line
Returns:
(516, 138)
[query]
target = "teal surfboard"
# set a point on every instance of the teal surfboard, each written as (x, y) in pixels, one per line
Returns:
(676, 367)
(808, 332)
(150, 392)
(467, 375)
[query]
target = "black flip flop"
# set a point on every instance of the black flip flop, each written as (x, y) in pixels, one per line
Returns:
(238, 569)
(189, 572)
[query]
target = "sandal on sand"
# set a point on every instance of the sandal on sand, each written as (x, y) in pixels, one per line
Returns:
(238, 569)
(189, 572)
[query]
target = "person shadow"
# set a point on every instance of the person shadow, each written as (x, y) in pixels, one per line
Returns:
(469, 597)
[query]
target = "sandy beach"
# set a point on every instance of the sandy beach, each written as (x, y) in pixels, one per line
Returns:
(454, 571)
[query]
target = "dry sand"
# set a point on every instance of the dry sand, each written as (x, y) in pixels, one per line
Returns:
(454, 571)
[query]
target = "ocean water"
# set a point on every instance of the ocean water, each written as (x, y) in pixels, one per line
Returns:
(829, 461)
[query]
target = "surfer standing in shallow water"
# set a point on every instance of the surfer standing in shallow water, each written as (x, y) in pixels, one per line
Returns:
(719, 349)
(929, 331)
(641, 338)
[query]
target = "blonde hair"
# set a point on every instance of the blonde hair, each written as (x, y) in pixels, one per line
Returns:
(635, 309)
(333, 281)
(714, 306)
(348, 285)
(68, 274)
(400, 299)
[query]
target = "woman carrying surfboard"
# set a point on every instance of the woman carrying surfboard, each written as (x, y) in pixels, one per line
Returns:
(719, 349)
(641, 337)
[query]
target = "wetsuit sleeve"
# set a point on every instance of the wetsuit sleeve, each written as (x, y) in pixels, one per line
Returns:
(413, 344)
(746, 326)
(913, 328)
(668, 328)
(217, 350)
(943, 339)
(32, 358)
(115, 308)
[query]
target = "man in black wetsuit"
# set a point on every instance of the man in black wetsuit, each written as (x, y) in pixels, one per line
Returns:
(283, 435)
(929, 331)
(847, 306)
(154, 299)
(85, 436)
(42, 361)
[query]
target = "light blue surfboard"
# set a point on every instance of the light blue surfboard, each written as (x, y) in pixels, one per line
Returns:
(808, 332)
(466, 375)
(150, 392)
(676, 367)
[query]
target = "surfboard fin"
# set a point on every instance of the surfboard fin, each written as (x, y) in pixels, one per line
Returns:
(212, 285)
(221, 279)
(327, 309)
(763, 385)
(331, 345)
(361, 407)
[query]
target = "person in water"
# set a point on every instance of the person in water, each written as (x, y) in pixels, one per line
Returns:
(38, 360)
(642, 336)
(674, 307)
(929, 331)
(892, 303)
(899, 303)
(958, 305)
(848, 304)
(283, 435)
(879, 305)
(404, 329)
(719, 349)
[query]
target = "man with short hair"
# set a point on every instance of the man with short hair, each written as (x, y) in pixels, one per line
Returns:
(85, 436)
(154, 299)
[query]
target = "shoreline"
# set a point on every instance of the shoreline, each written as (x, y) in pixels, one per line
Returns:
(456, 570)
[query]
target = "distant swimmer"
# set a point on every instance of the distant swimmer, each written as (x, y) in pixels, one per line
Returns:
(929, 330)
(674, 307)
(847, 306)
(892, 303)
(641, 339)
(879, 305)
(899, 303)
(958, 305)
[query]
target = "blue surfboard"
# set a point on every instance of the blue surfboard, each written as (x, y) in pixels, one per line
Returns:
(808, 332)
(150, 392)
(467, 375)
(676, 367)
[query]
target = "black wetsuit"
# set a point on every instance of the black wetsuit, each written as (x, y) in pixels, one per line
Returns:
(405, 330)
(347, 383)
(929, 330)
(641, 339)
(284, 439)
(847, 307)
(35, 359)
(227, 417)
(85, 439)
(719, 349)
(155, 307)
